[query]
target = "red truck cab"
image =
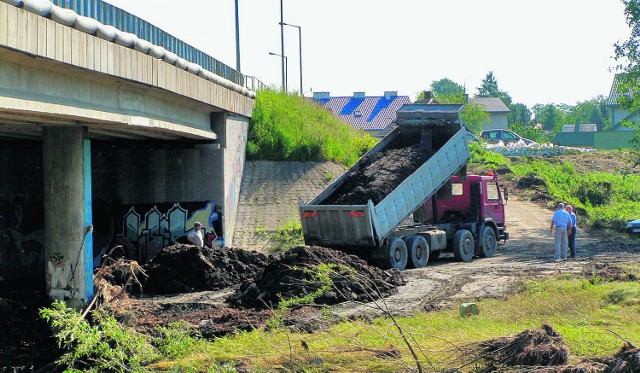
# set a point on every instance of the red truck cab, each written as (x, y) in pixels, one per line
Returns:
(476, 207)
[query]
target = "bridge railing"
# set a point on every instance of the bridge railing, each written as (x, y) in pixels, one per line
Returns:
(124, 21)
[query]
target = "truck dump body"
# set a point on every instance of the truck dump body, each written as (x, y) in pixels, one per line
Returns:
(352, 213)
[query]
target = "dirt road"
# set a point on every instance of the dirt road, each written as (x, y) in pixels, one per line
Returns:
(528, 254)
(443, 283)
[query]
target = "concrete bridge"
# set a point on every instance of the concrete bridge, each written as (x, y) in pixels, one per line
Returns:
(109, 138)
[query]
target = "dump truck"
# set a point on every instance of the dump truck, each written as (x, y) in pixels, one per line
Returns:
(430, 207)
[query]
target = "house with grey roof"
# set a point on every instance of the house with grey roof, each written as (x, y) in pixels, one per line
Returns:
(497, 110)
(619, 114)
(618, 136)
(370, 113)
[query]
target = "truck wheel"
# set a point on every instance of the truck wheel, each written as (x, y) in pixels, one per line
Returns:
(463, 246)
(418, 252)
(396, 254)
(487, 243)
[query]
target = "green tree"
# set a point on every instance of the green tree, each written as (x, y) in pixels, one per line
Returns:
(489, 86)
(520, 113)
(627, 54)
(550, 115)
(474, 117)
(446, 91)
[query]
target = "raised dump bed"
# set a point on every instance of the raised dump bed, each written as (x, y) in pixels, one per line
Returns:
(364, 206)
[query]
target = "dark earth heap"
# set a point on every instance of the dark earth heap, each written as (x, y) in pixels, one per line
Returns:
(380, 173)
(187, 268)
(295, 274)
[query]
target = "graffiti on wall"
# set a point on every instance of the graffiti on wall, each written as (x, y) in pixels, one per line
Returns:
(60, 278)
(232, 191)
(21, 240)
(147, 228)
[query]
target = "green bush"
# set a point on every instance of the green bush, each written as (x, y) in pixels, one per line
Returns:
(291, 128)
(105, 346)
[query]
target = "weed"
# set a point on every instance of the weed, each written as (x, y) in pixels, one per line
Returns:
(328, 176)
(106, 346)
(287, 236)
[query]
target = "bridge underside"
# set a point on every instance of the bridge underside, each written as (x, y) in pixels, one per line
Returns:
(126, 152)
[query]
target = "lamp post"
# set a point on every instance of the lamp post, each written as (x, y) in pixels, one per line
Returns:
(286, 69)
(284, 62)
(237, 39)
(300, 49)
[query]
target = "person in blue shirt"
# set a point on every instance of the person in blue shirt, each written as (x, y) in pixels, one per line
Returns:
(562, 222)
(572, 231)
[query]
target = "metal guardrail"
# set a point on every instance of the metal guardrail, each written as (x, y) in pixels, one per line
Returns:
(127, 22)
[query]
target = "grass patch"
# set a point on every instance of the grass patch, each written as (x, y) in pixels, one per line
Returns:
(287, 127)
(610, 200)
(583, 311)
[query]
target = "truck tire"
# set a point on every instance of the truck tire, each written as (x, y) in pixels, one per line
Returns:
(487, 244)
(396, 254)
(463, 246)
(418, 252)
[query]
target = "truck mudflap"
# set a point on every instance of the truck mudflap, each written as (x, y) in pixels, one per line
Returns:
(338, 225)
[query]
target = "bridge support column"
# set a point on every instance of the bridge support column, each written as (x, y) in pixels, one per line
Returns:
(67, 214)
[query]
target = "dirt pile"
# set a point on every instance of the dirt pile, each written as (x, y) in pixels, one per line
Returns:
(599, 272)
(187, 268)
(380, 173)
(531, 347)
(322, 275)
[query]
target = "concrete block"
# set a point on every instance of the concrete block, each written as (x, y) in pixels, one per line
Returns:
(42, 37)
(78, 48)
(32, 33)
(51, 40)
(111, 58)
(3, 23)
(59, 42)
(12, 27)
(23, 32)
(68, 44)
(90, 53)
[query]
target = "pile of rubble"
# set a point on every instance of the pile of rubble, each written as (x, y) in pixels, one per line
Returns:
(187, 268)
(317, 275)
(520, 148)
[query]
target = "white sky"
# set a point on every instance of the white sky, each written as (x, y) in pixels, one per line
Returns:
(541, 51)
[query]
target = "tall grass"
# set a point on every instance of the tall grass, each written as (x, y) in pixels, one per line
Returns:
(291, 128)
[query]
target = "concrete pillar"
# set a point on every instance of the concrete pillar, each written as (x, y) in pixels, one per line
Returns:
(67, 214)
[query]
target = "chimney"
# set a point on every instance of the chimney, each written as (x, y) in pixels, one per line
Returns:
(358, 95)
(321, 95)
(427, 95)
(389, 94)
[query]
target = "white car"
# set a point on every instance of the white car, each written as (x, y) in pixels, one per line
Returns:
(634, 226)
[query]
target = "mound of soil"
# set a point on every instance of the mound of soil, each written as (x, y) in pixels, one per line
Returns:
(380, 173)
(531, 180)
(187, 268)
(606, 272)
(531, 347)
(304, 270)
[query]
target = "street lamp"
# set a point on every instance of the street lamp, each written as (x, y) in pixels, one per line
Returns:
(300, 48)
(237, 39)
(284, 62)
(286, 69)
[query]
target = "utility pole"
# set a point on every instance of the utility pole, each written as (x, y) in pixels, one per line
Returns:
(237, 39)
(284, 82)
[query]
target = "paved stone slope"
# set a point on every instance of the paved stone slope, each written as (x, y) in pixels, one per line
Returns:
(270, 194)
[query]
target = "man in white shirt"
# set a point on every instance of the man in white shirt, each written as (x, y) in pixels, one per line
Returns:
(562, 222)
(195, 236)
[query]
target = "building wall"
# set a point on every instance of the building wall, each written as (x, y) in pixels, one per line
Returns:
(498, 121)
(234, 158)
